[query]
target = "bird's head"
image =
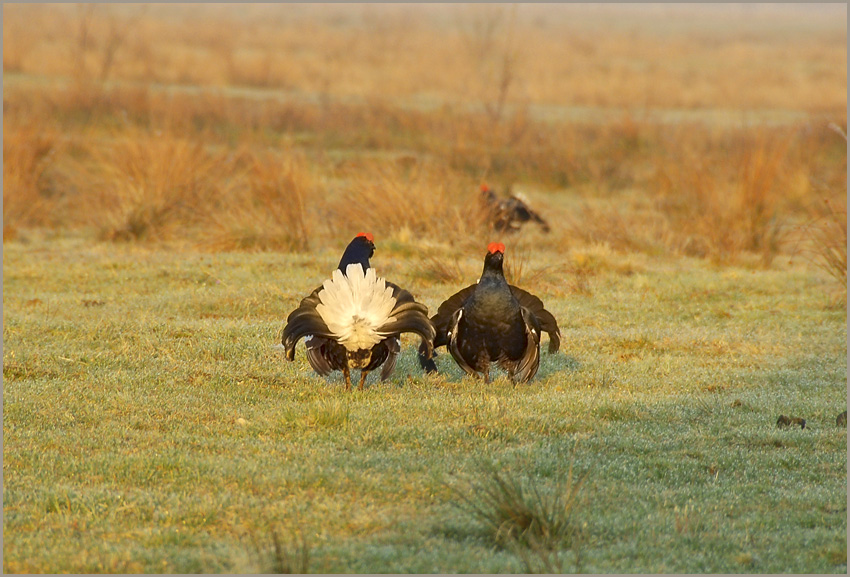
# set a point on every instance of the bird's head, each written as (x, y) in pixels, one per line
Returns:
(495, 257)
(487, 193)
(359, 250)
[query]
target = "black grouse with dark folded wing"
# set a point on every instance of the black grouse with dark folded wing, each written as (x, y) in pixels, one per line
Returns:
(509, 214)
(355, 319)
(492, 322)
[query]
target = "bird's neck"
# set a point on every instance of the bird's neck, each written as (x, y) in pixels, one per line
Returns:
(348, 259)
(493, 276)
(492, 289)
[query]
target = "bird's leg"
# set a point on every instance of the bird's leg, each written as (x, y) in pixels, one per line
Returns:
(363, 375)
(486, 371)
(347, 374)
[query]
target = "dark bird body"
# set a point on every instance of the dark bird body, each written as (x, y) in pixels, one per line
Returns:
(493, 322)
(509, 214)
(355, 319)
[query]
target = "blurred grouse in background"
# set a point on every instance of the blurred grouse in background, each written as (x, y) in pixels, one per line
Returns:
(509, 214)
(493, 322)
(354, 320)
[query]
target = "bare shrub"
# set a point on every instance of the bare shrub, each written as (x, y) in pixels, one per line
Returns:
(100, 35)
(489, 35)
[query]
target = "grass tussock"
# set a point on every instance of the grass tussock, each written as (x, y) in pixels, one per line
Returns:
(141, 185)
(407, 201)
(267, 207)
(516, 511)
(148, 186)
(29, 196)
(827, 241)
(273, 555)
(829, 232)
(724, 201)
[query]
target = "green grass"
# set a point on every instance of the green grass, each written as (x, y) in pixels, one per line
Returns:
(149, 425)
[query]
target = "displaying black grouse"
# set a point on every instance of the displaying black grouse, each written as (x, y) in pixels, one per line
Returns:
(509, 214)
(354, 320)
(493, 322)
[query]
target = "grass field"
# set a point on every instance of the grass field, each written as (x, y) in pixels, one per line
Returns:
(150, 425)
(175, 180)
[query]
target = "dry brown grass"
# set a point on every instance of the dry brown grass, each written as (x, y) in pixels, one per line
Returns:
(29, 154)
(731, 194)
(384, 131)
(142, 185)
(267, 208)
(556, 54)
(147, 185)
(410, 200)
(831, 239)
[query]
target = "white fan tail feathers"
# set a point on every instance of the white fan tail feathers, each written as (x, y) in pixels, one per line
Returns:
(354, 305)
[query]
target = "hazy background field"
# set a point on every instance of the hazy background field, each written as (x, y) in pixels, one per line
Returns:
(701, 130)
(176, 177)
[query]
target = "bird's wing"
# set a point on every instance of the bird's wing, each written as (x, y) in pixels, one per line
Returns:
(410, 317)
(528, 364)
(394, 346)
(451, 335)
(314, 355)
(446, 311)
(441, 322)
(548, 324)
(302, 322)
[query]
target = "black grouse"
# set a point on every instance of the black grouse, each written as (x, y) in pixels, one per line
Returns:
(354, 320)
(509, 214)
(492, 322)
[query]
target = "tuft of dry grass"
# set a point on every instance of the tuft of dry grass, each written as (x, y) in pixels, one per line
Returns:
(143, 185)
(722, 198)
(266, 208)
(516, 511)
(28, 196)
(442, 269)
(275, 556)
(828, 235)
(405, 200)
(152, 185)
(604, 222)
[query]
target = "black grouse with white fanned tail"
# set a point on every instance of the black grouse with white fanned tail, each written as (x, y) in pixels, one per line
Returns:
(355, 319)
(492, 322)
